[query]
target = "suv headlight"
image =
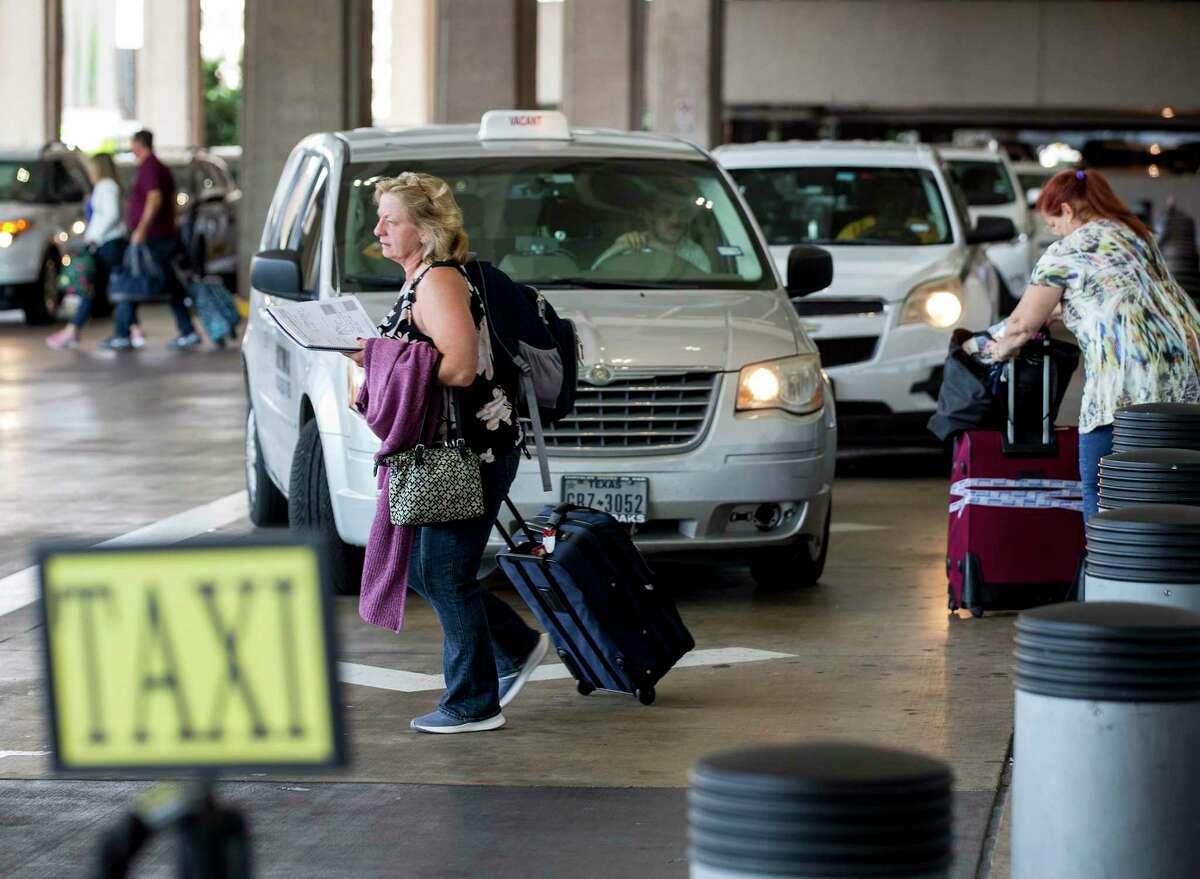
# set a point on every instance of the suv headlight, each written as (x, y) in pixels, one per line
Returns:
(938, 303)
(791, 383)
(10, 229)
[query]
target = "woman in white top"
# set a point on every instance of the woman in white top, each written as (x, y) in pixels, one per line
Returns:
(105, 237)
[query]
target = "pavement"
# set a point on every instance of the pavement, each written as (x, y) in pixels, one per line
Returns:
(98, 445)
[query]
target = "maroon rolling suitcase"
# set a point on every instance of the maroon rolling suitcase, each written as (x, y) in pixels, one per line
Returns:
(1016, 535)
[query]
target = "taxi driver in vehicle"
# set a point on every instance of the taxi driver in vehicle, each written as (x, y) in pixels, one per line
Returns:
(891, 219)
(665, 219)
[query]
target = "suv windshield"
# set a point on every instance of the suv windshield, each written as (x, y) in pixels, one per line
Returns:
(565, 222)
(983, 183)
(858, 206)
(23, 181)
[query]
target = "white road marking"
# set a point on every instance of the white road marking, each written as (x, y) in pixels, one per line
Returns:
(414, 682)
(4, 754)
(21, 589)
(853, 527)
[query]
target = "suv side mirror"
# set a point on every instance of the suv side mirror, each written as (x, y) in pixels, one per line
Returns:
(278, 273)
(989, 230)
(809, 269)
(1031, 196)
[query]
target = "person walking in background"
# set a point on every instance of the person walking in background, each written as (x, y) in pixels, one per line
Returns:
(105, 239)
(1138, 330)
(151, 219)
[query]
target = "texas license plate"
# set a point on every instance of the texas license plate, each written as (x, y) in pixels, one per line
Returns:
(625, 498)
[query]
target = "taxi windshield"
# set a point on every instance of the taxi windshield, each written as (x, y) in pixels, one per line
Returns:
(983, 183)
(570, 222)
(22, 181)
(848, 205)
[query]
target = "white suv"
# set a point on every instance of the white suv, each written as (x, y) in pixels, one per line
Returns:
(42, 196)
(992, 189)
(907, 270)
(702, 416)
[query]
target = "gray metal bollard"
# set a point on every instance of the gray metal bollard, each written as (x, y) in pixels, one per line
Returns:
(1106, 774)
(819, 811)
(1157, 426)
(1147, 553)
(1150, 476)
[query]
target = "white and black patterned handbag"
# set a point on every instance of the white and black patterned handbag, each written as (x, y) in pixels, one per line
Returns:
(439, 482)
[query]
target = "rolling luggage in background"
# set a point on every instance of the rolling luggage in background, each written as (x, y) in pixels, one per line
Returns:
(1016, 534)
(216, 309)
(592, 591)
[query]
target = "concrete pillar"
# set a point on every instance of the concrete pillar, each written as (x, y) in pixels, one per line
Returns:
(683, 68)
(412, 29)
(602, 68)
(169, 102)
(31, 62)
(485, 58)
(307, 69)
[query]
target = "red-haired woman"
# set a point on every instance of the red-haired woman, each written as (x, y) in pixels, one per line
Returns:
(1139, 332)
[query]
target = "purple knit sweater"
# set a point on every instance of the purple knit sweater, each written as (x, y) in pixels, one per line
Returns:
(399, 388)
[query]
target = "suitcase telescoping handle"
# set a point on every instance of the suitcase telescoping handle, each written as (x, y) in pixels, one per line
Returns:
(521, 524)
(1047, 444)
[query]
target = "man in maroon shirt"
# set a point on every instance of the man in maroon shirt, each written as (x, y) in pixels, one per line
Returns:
(151, 217)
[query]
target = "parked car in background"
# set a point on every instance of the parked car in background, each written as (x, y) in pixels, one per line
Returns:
(42, 197)
(991, 187)
(206, 205)
(908, 270)
(703, 416)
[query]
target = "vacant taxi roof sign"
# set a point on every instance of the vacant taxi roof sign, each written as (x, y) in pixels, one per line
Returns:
(214, 655)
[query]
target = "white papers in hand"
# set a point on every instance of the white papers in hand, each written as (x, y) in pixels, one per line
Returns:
(324, 325)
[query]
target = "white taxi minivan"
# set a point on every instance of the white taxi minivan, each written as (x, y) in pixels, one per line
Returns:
(703, 416)
(908, 270)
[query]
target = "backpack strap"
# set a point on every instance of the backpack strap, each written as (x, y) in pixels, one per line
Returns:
(526, 387)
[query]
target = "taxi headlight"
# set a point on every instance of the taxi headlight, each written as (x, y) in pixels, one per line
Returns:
(791, 383)
(938, 303)
(10, 229)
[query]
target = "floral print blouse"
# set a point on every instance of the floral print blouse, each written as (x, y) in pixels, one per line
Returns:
(1138, 331)
(491, 426)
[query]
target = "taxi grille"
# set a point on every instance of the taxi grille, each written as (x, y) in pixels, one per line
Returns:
(658, 412)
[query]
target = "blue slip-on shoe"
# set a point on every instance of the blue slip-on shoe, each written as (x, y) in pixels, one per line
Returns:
(437, 722)
(510, 685)
(116, 343)
(191, 340)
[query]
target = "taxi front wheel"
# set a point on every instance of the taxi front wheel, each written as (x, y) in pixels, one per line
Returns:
(798, 565)
(310, 509)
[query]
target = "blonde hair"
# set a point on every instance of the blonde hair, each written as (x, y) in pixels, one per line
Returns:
(104, 168)
(431, 207)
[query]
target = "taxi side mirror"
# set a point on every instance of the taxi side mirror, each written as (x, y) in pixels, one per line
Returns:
(989, 230)
(809, 269)
(278, 273)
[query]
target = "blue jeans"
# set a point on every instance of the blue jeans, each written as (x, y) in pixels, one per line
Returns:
(108, 257)
(163, 251)
(482, 637)
(1093, 446)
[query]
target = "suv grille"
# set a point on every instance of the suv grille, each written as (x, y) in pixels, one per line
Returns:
(831, 307)
(637, 412)
(839, 352)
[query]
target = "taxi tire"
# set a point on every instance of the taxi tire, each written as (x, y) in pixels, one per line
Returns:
(310, 509)
(794, 566)
(268, 506)
(36, 301)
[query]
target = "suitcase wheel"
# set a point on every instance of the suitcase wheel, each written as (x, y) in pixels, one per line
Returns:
(584, 688)
(646, 696)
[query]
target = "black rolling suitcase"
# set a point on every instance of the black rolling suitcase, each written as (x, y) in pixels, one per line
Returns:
(590, 588)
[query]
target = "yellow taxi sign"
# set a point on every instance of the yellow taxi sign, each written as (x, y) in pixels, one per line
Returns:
(215, 655)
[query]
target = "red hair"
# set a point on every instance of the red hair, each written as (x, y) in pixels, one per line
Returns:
(1088, 189)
